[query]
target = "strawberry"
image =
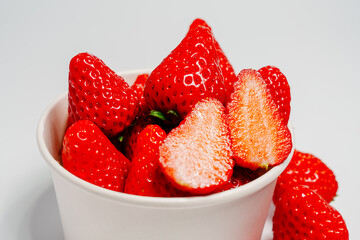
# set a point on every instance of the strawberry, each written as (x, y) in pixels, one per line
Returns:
(88, 154)
(131, 135)
(279, 89)
(188, 74)
(240, 177)
(98, 94)
(303, 214)
(196, 155)
(259, 137)
(145, 177)
(225, 66)
(306, 169)
(138, 87)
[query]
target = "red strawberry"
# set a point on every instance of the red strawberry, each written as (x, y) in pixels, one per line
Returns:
(196, 155)
(225, 66)
(279, 89)
(188, 74)
(88, 154)
(240, 177)
(131, 135)
(259, 137)
(145, 177)
(306, 169)
(96, 93)
(303, 214)
(138, 87)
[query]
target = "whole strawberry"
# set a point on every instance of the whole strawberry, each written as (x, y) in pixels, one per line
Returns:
(259, 137)
(279, 89)
(98, 94)
(188, 74)
(196, 155)
(306, 169)
(138, 87)
(225, 66)
(88, 154)
(303, 214)
(145, 177)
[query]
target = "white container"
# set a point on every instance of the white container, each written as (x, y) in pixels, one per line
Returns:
(93, 213)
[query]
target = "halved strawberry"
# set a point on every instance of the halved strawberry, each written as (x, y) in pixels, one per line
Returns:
(306, 169)
(188, 74)
(88, 154)
(279, 89)
(145, 177)
(259, 136)
(98, 94)
(225, 66)
(196, 155)
(304, 214)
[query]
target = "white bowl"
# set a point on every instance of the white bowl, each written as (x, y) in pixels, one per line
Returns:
(90, 212)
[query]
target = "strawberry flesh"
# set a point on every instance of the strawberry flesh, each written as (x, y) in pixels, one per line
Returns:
(196, 156)
(259, 137)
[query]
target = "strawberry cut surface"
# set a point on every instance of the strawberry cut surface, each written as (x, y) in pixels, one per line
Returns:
(196, 155)
(259, 137)
(88, 154)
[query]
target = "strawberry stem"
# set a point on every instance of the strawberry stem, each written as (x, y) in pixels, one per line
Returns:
(158, 114)
(172, 112)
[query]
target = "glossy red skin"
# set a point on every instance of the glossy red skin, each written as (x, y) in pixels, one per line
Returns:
(88, 154)
(303, 214)
(98, 94)
(188, 74)
(279, 89)
(225, 66)
(138, 87)
(306, 169)
(145, 177)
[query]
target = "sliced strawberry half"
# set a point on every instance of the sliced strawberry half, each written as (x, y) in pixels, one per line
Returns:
(196, 156)
(259, 136)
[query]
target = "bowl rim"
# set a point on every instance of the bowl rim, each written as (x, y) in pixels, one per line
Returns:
(158, 202)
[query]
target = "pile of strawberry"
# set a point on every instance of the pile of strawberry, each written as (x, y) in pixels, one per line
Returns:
(192, 127)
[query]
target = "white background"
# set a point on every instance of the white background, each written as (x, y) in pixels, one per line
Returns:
(314, 43)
